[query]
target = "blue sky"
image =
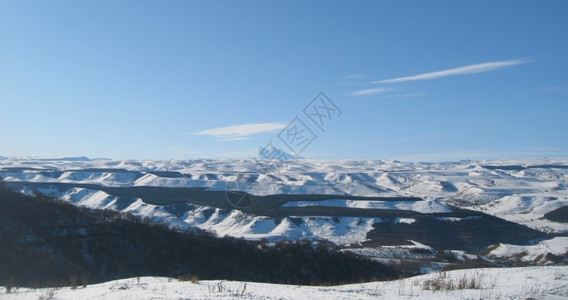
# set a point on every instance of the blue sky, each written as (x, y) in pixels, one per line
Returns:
(412, 80)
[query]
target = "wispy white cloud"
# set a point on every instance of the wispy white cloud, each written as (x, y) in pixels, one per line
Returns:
(240, 132)
(367, 92)
(470, 69)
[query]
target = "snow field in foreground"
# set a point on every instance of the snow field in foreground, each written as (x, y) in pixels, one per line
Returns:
(510, 283)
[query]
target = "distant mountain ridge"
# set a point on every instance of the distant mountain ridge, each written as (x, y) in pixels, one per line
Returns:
(53, 158)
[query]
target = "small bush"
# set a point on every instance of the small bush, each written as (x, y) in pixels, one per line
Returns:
(474, 283)
(194, 279)
(10, 284)
(222, 288)
(462, 283)
(470, 283)
(35, 284)
(446, 256)
(73, 281)
(85, 280)
(440, 283)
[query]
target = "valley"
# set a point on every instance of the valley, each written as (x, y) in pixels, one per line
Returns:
(465, 206)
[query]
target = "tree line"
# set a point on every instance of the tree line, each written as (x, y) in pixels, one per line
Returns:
(45, 241)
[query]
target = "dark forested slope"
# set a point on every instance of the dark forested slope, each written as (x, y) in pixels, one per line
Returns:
(45, 241)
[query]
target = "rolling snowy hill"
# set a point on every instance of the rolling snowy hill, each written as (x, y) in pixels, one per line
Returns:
(341, 201)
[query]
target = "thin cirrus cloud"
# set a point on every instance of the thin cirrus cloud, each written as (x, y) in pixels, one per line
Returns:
(367, 92)
(470, 69)
(240, 132)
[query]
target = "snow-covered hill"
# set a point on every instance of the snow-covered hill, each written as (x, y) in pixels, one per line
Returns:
(510, 283)
(532, 253)
(344, 195)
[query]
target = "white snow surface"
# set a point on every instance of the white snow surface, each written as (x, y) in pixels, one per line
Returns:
(426, 206)
(520, 191)
(557, 246)
(509, 283)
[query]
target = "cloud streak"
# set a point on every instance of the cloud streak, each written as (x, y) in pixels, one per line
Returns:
(240, 132)
(470, 69)
(370, 92)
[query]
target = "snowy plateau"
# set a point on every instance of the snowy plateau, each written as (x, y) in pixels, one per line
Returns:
(390, 211)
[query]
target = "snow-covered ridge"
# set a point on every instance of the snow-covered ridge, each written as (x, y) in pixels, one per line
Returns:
(532, 253)
(428, 206)
(522, 191)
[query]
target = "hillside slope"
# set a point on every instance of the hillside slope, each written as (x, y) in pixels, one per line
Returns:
(467, 205)
(44, 241)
